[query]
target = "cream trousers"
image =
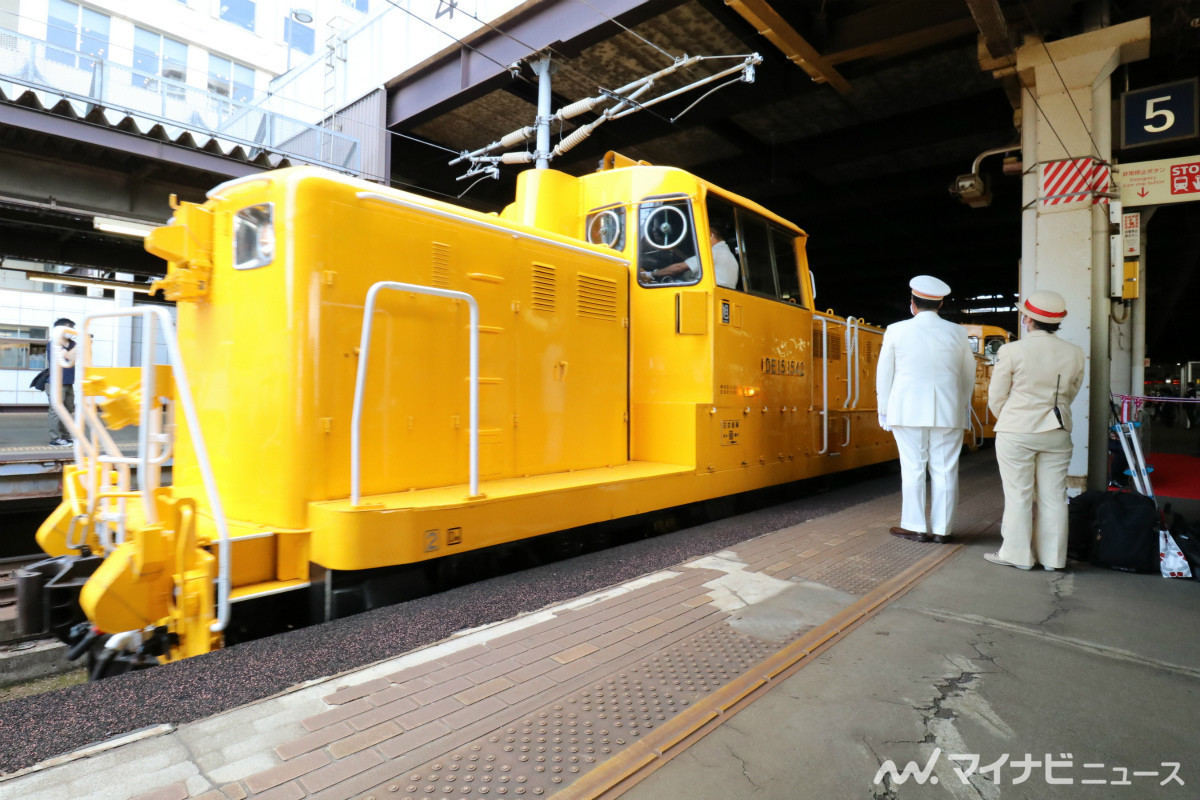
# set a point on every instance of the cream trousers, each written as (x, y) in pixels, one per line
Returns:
(1030, 461)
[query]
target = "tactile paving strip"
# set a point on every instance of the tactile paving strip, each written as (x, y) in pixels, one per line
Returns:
(548, 749)
(869, 569)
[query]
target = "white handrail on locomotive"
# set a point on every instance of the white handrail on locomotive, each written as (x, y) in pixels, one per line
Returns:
(824, 386)
(852, 377)
(976, 427)
(152, 466)
(360, 381)
(150, 427)
(74, 424)
(627, 103)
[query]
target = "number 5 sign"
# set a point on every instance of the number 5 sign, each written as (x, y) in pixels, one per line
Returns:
(1159, 114)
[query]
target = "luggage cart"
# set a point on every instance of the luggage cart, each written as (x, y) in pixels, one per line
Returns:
(1127, 436)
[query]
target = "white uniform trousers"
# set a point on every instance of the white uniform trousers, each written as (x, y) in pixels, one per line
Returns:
(1028, 461)
(935, 450)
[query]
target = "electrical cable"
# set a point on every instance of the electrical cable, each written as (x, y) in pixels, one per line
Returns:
(1073, 160)
(1050, 58)
(628, 30)
(504, 67)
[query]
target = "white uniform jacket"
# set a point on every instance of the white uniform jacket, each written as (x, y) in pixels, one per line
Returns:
(926, 373)
(1021, 393)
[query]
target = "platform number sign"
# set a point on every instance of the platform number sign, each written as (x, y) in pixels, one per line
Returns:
(1159, 114)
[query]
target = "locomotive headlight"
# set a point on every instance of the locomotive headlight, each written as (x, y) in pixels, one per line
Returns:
(254, 236)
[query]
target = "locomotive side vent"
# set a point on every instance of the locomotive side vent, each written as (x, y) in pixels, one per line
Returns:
(835, 345)
(545, 288)
(441, 264)
(868, 352)
(597, 297)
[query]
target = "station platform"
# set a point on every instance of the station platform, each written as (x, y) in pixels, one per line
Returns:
(824, 659)
(31, 467)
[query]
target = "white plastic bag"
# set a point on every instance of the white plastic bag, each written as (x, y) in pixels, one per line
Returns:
(1171, 559)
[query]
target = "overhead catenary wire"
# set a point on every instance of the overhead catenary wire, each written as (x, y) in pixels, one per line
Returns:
(628, 30)
(1073, 160)
(1061, 80)
(473, 49)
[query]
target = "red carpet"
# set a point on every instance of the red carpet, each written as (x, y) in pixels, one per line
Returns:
(1175, 475)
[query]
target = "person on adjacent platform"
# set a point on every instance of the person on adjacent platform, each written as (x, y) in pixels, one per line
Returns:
(1033, 383)
(923, 385)
(66, 355)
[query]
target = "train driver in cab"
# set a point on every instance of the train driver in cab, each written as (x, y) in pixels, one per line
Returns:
(724, 262)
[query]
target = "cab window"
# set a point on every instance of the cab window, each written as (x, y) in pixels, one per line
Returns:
(722, 224)
(754, 238)
(667, 251)
(783, 245)
(606, 226)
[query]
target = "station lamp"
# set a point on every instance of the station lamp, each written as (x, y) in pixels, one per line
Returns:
(973, 188)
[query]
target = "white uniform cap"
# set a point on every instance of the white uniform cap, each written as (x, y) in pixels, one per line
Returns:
(928, 287)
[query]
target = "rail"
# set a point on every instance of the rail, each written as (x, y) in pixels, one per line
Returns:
(360, 381)
(93, 81)
(150, 433)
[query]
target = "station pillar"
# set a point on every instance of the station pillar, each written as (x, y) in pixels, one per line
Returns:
(1066, 144)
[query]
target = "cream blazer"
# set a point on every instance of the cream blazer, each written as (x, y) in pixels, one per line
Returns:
(1021, 393)
(926, 373)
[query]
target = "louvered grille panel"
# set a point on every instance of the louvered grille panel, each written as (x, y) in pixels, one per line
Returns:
(545, 288)
(835, 344)
(597, 297)
(441, 264)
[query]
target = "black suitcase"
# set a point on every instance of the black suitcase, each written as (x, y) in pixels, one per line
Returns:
(1081, 523)
(1126, 536)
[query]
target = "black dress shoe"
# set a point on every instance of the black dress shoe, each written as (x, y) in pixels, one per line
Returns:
(904, 533)
(941, 539)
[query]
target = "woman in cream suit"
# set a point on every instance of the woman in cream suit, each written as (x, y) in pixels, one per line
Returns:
(1033, 383)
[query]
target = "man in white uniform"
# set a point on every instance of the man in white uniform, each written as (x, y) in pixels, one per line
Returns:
(923, 385)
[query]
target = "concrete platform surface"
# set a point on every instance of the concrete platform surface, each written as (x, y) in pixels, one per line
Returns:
(793, 665)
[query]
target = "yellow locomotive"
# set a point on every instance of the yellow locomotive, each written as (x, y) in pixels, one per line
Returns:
(985, 341)
(365, 379)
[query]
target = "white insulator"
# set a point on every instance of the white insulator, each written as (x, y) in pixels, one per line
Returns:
(523, 157)
(516, 137)
(578, 107)
(575, 138)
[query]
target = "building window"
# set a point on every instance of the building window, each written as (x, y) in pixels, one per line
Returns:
(23, 347)
(359, 5)
(155, 54)
(73, 30)
(298, 36)
(229, 79)
(239, 12)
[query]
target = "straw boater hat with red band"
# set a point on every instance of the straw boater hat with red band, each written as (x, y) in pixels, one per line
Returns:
(1044, 307)
(928, 287)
